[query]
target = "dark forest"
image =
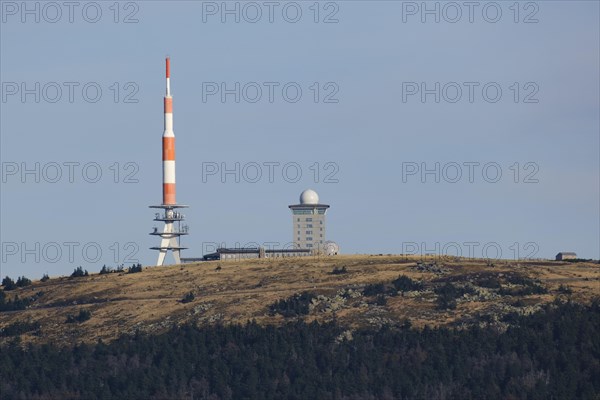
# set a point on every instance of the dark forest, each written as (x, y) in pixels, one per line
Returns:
(553, 354)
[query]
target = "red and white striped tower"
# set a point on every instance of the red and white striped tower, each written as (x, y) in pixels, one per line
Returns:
(168, 145)
(171, 232)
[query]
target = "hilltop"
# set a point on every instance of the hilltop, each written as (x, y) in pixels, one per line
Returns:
(361, 291)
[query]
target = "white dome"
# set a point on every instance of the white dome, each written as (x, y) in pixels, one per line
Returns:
(309, 196)
(331, 248)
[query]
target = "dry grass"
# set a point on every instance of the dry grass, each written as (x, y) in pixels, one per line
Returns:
(242, 290)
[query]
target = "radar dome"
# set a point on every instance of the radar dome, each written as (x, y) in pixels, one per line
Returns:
(309, 196)
(331, 248)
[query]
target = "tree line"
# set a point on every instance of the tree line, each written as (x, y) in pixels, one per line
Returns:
(552, 354)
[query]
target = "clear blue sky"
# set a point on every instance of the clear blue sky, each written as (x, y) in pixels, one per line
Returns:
(372, 57)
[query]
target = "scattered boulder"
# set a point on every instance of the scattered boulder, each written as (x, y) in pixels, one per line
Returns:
(432, 267)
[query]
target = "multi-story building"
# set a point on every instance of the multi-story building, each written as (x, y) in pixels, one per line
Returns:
(308, 222)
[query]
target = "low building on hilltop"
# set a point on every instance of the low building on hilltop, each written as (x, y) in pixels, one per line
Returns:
(254, 252)
(565, 255)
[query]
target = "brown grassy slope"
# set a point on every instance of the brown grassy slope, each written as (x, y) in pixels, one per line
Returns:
(150, 301)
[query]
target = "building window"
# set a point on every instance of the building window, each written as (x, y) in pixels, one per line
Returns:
(309, 219)
(309, 239)
(321, 222)
(321, 235)
(309, 232)
(299, 233)
(302, 212)
(298, 219)
(309, 245)
(321, 229)
(309, 225)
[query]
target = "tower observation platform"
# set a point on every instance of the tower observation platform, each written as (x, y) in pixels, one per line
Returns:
(171, 233)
